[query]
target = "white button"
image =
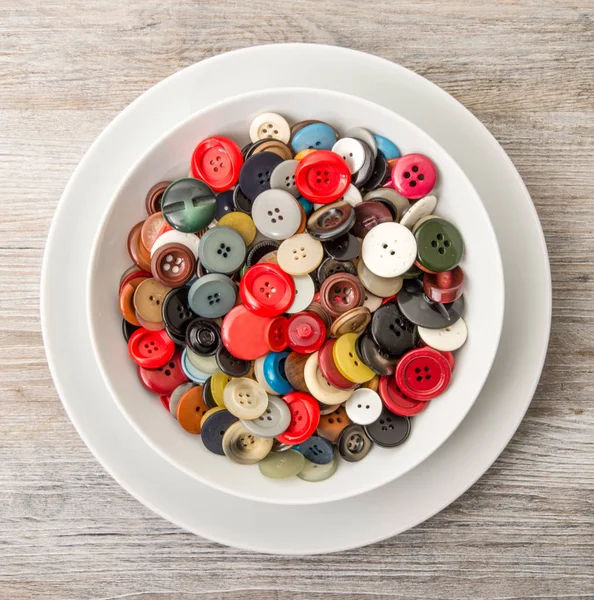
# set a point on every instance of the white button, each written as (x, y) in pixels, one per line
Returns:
(259, 375)
(300, 254)
(389, 250)
(319, 387)
(276, 214)
(383, 287)
(244, 398)
(352, 152)
(304, 293)
(283, 177)
(362, 134)
(206, 364)
(399, 202)
(189, 240)
(421, 208)
(422, 220)
(448, 339)
(364, 406)
(352, 196)
(270, 126)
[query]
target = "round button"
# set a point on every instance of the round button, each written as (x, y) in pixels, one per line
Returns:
(136, 250)
(306, 332)
(372, 302)
(389, 250)
(212, 295)
(192, 373)
(362, 176)
(440, 245)
(283, 177)
(322, 177)
(152, 228)
(150, 349)
(154, 197)
(399, 202)
(205, 364)
(448, 338)
(176, 313)
(348, 362)
(274, 146)
(242, 223)
(353, 321)
(423, 374)
(231, 365)
(414, 176)
(340, 293)
(176, 395)
(241, 202)
(383, 287)
(189, 205)
(203, 336)
(315, 136)
(352, 195)
(217, 161)
(364, 406)
(304, 293)
(128, 329)
(224, 203)
(363, 135)
(389, 430)
(272, 422)
(392, 331)
(387, 147)
(419, 210)
(281, 465)
(148, 300)
(244, 398)
(218, 382)
(190, 240)
(190, 409)
(345, 247)
(222, 250)
(276, 334)
(214, 428)
(328, 368)
(270, 126)
(276, 214)
(164, 379)
(332, 424)
(331, 221)
(274, 372)
(300, 254)
(244, 448)
(173, 265)
(305, 416)
(294, 371)
(368, 215)
(317, 450)
(321, 389)
(314, 473)
(256, 172)
(259, 250)
(266, 290)
(354, 444)
(379, 175)
(373, 356)
(332, 266)
(244, 333)
(259, 375)
(396, 402)
(319, 310)
(352, 151)
(444, 287)
(421, 221)
(208, 397)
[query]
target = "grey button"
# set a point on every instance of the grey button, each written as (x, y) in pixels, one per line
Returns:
(272, 422)
(276, 214)
(283, 177)
(212, 296)
(176, 395)
(222, 250)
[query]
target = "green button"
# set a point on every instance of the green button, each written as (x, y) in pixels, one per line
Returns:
(189, 205)
(314, 473)
(280, 465)
(439, 244)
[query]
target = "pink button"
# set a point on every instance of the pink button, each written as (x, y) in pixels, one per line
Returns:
(414, 176)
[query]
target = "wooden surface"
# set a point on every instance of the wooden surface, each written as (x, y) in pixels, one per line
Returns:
(525, 530)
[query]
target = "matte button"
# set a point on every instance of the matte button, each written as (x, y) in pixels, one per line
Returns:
(387, 147)
(217, 161)
(419, 210)
(306, 332)
(148, 300)
(331, 221)
(316, 136)
(414, 176)
(440, 245)
(352, 151)
(231, 365)
(340, 293)
(316, 449)
(396, 402)
(364, 135)
(389, 250)
(421, 221)
(272, 422)
(244, 398)
(283, 177)
(164, 379)
(319, 310)
(276, 214)
(259, 250)
(190, 409)
(372, 355)
(315, 473)
(244, 448)
(189, 205)
(222, 250)
(214, 428)
(372, 302)
(364, 406)
(348, 361)
(369, 214)
(304, 293)
(345, 247)
(203, 336)
(305, 416)
(328, 368)
(379, 286)
(353, 321)
(224, 203)
(321, 389)
(281, 465)
(173, 265)
(392, 331)
(444, 287)
(190, 240)
(389, 430)
(256, 172)
(322, 177)
(274, 372)
(331, 425)
(176, 395)
(154, 197)
(245, 334)
(267, 290)
(423, 374)
(150, 349)
(447, 339)
(294, 371)
(270, 125)
(300, 254)
(399, 202)
(242, 223)
(332, 266)
(354, 444)
(212, 295)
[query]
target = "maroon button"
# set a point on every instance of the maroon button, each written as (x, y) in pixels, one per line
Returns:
(423, 374)
(173, 265)
(328, 368)
(154, 196)
(164, 379)
(395, 401)
(444, 287)
(414, 176)
(368, 214)
(306, 332)
(340, 293)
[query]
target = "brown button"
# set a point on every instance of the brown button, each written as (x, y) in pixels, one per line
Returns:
(173, 265)
(368, 214)
(154, 195)
(331, 221)
(126, 300)
(131, 269)
(340, 293)
(152, 228)
(156, 326)
(353, 321)
(190, 410)
(276, 147)
(318, 309)
(372, 384)
(303, 220)
(138, 253)
(148, 300)
(332, 424)
(294, 369)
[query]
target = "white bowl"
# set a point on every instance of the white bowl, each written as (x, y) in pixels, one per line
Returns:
(169, 159)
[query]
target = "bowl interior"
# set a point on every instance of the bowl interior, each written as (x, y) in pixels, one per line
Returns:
(169, 159)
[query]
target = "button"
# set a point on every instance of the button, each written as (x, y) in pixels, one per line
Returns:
(212, 295)
(319, 310)
(417, 211)
(396, 402)
(218, 382)
(364, 406)
(244, 398)
(259, 375)
(316, 136)
(372, 302)
(331, 221)
(222, 250)
(244, 448)
(303, 154)
(314, 473)
(164, 379)
(440, 245)
(256, 172)
(399, 202)
(274, 373)
(281, 465)
(273, 146)
(244, 333)
(340, 293)
(362, 176)
(266, 290)
(150, 349)
(231, 365)
(387, 147)
(392, 331)
(347, 360)
(154, 197)
(276, 334)
(423, 374)
(322, 177)
(421, 221)
(421, 311)
(368, 215)
(210, 411)
(331, 425)
(352, 195)
(352, 151)
(414, 176)
(332, 266)
(389, 250)
(189, 205)
(353, 321)
(345, 247)
(203, 336)
(173, 265)
(242, 223)
(270, 125)
(373, 356)
(126, 301)
(137, 252)
(190, 409)
(328, 368)
(300, 254)
(214, 428)
(444, 287)
(317, 450)
(152, 228)
(272, 422)
(412, 273)
(217, 161)
(224, 203)
(364, 135)
(128, 329)
(192, 373)
(208, 397)
(241, 202)
(306, 332)
(379, 286)
(389, 430)
(448, 338)
(283, 177)
(294, 371)
(148, 300)
(304, 293)
(205, 364)
(321, 389)
(301, 124)
(150, 325)
(354, 444)
(259, 250)
(176, 395)
(190, 240)
(305, 416)
(277, 214)
(379, 174)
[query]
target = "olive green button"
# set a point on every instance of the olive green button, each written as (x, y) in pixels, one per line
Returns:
(189, 205)
(314, 473)
(280, 465)
(439, 244)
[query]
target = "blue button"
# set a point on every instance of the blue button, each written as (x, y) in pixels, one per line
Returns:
(318, 136)
(306, 204)
(192, 373)
(388, 148)
(317, 450)
(274, 372)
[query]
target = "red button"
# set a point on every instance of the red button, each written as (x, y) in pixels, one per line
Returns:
(395, 401)
(305, 417)
(267, 290)
(140, 275)
(328, 368)
(244, 333)
(150, 349)
(217, 161)
(164, 401)
(414, 176)
(423, 373)
(164, 379)
(322, 177)
(449, 356)
(306, 332)
(276, 334)
(444, 287)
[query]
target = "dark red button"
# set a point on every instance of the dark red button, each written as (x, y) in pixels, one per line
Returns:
(306, 332)
(140, 275)
(444, 287)
(266, 290)
(368, 214)
(244, 333)
(276, 334)
(414, 176)
(340, 293)
(322, 177)
(164, 400)
(395, 401)
(150, 349)
(305, 417)
(217, 161)
(423, 374)
(329, 370)
(164, 379)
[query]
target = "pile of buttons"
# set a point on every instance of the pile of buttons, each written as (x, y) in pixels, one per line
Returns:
(295, 301)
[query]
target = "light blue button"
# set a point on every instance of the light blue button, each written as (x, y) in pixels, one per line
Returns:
(388, 148)
(318, 136)
(192, 373)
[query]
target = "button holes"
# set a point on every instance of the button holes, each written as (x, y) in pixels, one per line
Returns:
(384, 246)
(326, 181)
(273, 220)
(358, 405)
(351, 354)
(270, 213)
(350, 154)
(326, 173)
(440, 236)
(417, 370)
(392, 252)
(338, 420)
(421, 177)
(294, 251)
(287, 178)
(277, 210)
(212, 162)
(167, 372)
(267, 173)
(216, 169)
(280, 218)
(434, 244)
(397, 333)
(151, 298)
(270, 126)
(302, 249)
(318, 143)
(413, 183)
(356, 364)
(441, 250)
(260, 175)
(225, 255)
(367, 406)
(331, 421)
(447, 243)
(427, 377)
(319, 180)
(406, 175)
(157, 302)
(391, 327)
(447, 329)
(415, 169)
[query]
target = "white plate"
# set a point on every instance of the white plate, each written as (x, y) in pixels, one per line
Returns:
(168, 159)
(422, 492)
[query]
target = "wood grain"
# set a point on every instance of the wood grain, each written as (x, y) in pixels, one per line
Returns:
(525, 530)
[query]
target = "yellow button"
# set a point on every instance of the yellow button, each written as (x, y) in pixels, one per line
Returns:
(242, 223)
(217, 386)
(348, 362)
(304, 153)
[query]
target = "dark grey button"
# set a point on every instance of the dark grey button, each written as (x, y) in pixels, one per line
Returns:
(331, 267)
(241, 202)
(214, 428)
(345, 247)
(255, 173)
(370, 353)
(392, 331)
(354, 444)
(379, 175)
(207, 394)
(128, 329)
(389, 430)
(317, 450)
(212, 295)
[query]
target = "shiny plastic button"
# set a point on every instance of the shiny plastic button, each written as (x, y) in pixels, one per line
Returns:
(354, 444)
(244, 448)
(353, 321)
(332, 266)
(217, 161)
(389, 430)
(244, 398)
(191, 372)
(331, 221)
(190, 409)
(266, 290)
(164, 379)
(306, 332)
(244, 334)
(272, 422)
(176, 395)
(373, 356)
(214, 428)
(399, 202)
(173, 265)
(345, 247)
(364, 135)
(396, 402)
(389, 250)
(212, 295)
(414, 176)
(150, 349)
(444, 287)
(348, 361)
(256, 172)
(190, 240)
(281, 465)
(283, 177)
(304, 293)
(316, 136)
(205, 364)
(231, 365)
(423, 374)
(328, 368)
(392, 331)
(295, 371)
(315, 473)
(203, 336)
(332, 424)
(322, 177)
(274, 372)
(440, 245)
(352, 151)
(154, 197)
(189, 205)
(222, 250)
(447, 339)
(276, 214)
(419, 210)
(218, 382)
(305, 416)
(300, 254)
(364, 406)
(148, 300)
(340, 293)
(321, 389)
(242, 223)
(270, 126)
(368, 215)
(387, 147)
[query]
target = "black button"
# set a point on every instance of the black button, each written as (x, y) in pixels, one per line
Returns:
(345, 247)
(331, 266)
(369, 352)
(259, 251)
(224, 203)
(354, 444)
(128, 329)
(177, 314)
(214, 429)
(368, 214)
(392, 331)
(255, 173)
(249, 149)
(203, 336)
(380, 173)
(179, 340)
(389, 430)
(231, 365)
(332, 221)
(241, 202)
(360, 178)
(207, 394)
